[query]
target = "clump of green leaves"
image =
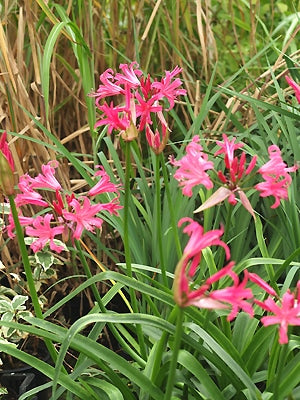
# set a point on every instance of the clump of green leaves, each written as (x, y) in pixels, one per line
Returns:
(13, 310)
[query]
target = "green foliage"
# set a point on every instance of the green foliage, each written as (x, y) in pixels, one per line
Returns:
(233, 55)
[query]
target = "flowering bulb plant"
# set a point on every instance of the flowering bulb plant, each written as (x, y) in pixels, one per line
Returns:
(66, 215)
(207, 294)
(143, 103)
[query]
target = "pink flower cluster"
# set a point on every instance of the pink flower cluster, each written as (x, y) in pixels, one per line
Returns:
(69, 215)
(238, 296)
(276, 177)
(142, 102)
(193, 167)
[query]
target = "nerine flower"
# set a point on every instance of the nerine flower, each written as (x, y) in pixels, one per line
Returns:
(187, 266)
(44, 233)
(169, 88)
(285, 312)
(46, 179)
(83, 216)
(192, 168)
(295, 86)
(130, 75)
(142, 103)
(104, 185)
(70, 216)
(276, 177)
(198, 241)
(227, 148)
(186, 294)
(193, 165)
(107, 88)
(158, 140)
(236, 295)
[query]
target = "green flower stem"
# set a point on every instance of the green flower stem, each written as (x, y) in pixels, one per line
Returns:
(171, 207)
(158, 221)
(226, 230)
(98, 298)
(281, 362)
(162, 345)
(127, 246)
(28, 273)
(175, 352)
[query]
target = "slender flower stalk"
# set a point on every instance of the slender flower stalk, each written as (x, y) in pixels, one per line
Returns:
(283, 354)
(127, 243)
(171, 207)
(175, 352)
(158, 221)
(28, 273)
(98, 299)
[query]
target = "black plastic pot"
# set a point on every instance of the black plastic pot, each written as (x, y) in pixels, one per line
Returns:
(17, 383)
(19, 379)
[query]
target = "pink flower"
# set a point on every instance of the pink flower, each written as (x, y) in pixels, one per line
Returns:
(167, 88)
(157, 141)
(108, 88)
(199, 241)
(276, 175)
(184, 296)
(276, 167)
(274, 187)
(114, 117)
(104, 185)
(231, 180)
(112, 207)
(144, 110)
(24, 221)
(140, 102)
(4, 148)
(235, 295)
(191, 258)
(236, 170)
(30, 197)
(296, 87)
(192, 167)
(287, 314)
(130, 75)
(83, 216)
(44, 233)
(46, 180)
(260, 282)
(228, 147)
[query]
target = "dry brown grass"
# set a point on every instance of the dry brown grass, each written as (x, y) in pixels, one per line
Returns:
(167, 33)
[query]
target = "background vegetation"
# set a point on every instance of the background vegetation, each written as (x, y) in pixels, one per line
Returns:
(234, 56)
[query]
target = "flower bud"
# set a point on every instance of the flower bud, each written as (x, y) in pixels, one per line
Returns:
(130, 133)
(6, 176)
